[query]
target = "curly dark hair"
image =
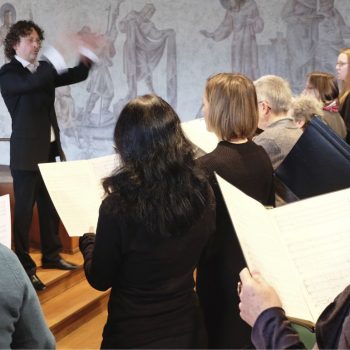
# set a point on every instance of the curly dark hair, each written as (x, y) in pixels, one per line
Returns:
(18, 30)
(159, 185)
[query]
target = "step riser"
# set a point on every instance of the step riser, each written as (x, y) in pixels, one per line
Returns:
(60, 285)
(76, 320)
(69, 302)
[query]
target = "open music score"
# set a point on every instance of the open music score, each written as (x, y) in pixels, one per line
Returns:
(75, 188)
(198, 134)
(301, 249)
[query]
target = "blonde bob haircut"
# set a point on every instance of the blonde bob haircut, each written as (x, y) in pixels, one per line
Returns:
(233, 106)
(276, 91)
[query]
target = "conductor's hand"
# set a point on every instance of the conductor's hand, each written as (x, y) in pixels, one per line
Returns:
(256, 296)
(93, 41)
(69, 43)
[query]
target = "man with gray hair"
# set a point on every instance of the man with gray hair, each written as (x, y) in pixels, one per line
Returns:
(280, 133)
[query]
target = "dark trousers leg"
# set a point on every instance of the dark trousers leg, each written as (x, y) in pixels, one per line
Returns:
(30, 188)
(49, 223)
(24, 187)
(48, 218)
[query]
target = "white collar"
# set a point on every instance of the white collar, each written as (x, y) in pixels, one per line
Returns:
(25, 63)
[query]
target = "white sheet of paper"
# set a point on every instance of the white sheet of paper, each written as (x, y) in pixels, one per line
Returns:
(76, 190)
(198, 134)
(5, 221)
(316, 233)
(263, 249)
(301, 249)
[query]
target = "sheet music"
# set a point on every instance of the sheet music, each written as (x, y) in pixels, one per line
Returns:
(317, 234)
(5, 221)
(103, 167)
(263, 249)
(198, 134)
(76, 191)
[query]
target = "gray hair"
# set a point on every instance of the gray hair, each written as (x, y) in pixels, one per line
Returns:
(276, 91)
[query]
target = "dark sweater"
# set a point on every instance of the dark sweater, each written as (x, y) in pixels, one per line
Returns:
(152, 302)
(248, 167)
(272, 330)
(345, 113)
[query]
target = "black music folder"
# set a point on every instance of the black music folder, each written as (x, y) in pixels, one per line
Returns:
(318, 163)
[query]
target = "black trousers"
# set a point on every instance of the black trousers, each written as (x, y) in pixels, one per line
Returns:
(29, 188)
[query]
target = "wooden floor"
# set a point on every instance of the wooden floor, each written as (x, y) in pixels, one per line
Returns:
(74, 311)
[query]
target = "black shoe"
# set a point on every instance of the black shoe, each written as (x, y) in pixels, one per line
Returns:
(36, 282)
(59, 264)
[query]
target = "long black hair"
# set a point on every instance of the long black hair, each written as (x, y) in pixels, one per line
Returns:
(159, 184)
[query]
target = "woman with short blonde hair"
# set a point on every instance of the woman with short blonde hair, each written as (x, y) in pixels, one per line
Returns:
(231, 98)
(230, 109)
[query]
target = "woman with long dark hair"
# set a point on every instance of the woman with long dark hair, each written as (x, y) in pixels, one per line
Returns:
(157, 216)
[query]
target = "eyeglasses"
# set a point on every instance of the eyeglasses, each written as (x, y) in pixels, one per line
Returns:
(32, 41)
(341, 64)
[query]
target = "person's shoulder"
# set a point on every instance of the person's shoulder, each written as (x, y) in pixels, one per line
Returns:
(46, 66)
(44, 62)
(10, 263)
(208, 161)
(13, 64)
(265, 136)
(7, 254)
(255, 147)
(106, 203)
(347, 99)
(111, 206)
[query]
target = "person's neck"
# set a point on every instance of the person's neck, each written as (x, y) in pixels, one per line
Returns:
(23, 60)
(274, 118)
(238, 140)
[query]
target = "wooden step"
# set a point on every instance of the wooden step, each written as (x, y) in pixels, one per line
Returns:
(70, 304)
(57, 281)
(73, 308)
(78, 338)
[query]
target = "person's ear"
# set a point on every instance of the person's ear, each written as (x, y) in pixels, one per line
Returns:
(300, 123)
(265, 107)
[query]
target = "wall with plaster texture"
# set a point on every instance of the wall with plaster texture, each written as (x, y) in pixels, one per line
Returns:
(171, 47)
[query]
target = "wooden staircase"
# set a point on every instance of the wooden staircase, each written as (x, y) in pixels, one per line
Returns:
(75, 312)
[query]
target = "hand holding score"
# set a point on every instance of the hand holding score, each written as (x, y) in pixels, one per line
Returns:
(256, 296)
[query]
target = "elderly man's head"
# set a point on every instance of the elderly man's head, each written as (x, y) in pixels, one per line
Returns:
(274, 98)
(304, 108)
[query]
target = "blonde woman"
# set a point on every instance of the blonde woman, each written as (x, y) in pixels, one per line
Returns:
(230, 109)
(343, 75)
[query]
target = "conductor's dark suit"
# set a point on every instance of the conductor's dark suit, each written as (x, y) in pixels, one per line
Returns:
(29, 98)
